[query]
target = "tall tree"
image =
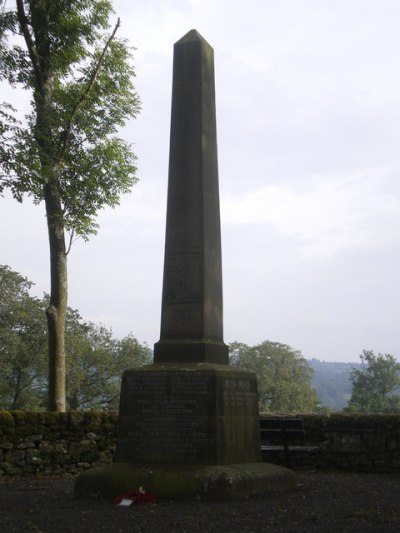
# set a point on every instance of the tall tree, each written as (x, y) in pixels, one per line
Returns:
(376, 385)
(67, 153)
(283, 376)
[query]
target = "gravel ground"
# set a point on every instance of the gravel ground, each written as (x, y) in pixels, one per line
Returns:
(321, 502)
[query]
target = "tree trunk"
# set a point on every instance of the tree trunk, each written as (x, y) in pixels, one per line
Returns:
(74, 402)
(36, 30)
(17, 391)
(57, 309)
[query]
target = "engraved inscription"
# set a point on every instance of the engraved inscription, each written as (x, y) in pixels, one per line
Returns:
(183, 416)
(237, 384)
(238, 394)
(166, 415)
(184, 437)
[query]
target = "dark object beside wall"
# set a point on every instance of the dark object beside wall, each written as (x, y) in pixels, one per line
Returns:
(285, 435)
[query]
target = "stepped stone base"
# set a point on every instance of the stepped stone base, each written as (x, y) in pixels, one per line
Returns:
(187, 431)
(211, 482)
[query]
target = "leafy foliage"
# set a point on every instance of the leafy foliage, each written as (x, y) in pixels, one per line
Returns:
(376, 385)
(283, 376)
(23, 343)
(87, 96)
(95, 363)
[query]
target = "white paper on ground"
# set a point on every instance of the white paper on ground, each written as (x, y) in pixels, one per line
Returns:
(125, 503)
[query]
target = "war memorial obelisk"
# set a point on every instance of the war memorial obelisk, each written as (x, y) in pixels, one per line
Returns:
(188, 423)
(191, 321)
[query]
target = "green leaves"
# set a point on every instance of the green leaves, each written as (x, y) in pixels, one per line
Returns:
(23, 343)
(82, 94)
(283, 376)
(97, 177)
(96, 360)
(63, 31)
(376, 385)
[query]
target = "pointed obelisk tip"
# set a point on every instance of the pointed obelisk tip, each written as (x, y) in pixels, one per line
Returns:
(192, 35)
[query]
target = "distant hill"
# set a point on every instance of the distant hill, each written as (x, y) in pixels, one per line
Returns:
(332, 383)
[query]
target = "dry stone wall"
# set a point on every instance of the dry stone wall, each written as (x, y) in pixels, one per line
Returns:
(55, 443)
(67, 443)
(353, 442)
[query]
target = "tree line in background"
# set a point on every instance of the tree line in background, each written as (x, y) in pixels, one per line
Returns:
(96, 361)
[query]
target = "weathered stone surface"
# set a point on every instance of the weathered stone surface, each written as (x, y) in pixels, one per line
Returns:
(76, 419)
(191, 318)
(7, 445)
(27, 452)
(25, 445)
(208, 482)
(189, 414)
(33, 456)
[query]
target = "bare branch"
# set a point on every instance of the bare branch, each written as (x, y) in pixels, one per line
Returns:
(64, 137)
(71, 241)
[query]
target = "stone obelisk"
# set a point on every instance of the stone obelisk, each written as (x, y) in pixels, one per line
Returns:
(188, 423)
(191, 319)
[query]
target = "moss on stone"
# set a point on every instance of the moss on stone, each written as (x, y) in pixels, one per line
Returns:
(31, 418)
(93, 419)
(49, 418)
(43, 430)
(185, 481)
(76, 418)
(64, 419)
(72, 433)
(7, 424)
(6, 419)
(7, 431)
(19, 417)
(89, 456)
(109, 427)
(26, 422)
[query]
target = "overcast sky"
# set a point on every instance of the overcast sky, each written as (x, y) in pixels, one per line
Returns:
(308, 117)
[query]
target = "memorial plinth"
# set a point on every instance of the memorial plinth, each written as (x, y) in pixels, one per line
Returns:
(189, 424)
(197, 414)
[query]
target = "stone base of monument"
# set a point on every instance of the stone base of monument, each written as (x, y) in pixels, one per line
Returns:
(212, 482)
(187, 430)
